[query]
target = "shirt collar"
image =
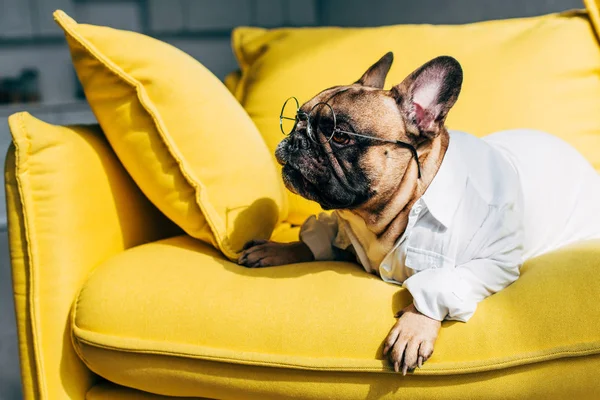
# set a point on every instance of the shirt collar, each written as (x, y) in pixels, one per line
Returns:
(443, 195)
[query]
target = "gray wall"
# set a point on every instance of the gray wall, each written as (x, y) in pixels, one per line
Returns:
(389, 12)
(29, 38)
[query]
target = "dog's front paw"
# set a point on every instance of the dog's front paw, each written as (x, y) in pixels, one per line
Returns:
(410, 342)
(263, 253)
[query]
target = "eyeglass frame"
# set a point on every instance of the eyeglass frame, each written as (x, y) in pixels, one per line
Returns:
(336, 129)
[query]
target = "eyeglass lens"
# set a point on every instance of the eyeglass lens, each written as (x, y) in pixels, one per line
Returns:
(320, 118)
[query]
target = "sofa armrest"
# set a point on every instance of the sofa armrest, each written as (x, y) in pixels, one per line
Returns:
(70, 206)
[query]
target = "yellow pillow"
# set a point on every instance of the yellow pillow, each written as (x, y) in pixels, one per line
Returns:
(541, 72)
(180, 133)
(593, 7)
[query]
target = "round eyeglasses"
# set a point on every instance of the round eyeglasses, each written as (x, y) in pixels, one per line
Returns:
(321, 119)
(321, 113)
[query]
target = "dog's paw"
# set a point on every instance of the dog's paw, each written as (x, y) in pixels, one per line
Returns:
(263, 253)
(410, 342)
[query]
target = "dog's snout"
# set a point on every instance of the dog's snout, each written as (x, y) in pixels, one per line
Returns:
(295, 147)
(298, 141)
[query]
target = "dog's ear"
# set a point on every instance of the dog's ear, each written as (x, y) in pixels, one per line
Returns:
(375, 75)
(426, 95)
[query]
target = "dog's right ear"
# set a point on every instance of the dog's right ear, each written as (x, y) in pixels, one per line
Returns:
(426, 95)
(375, 75)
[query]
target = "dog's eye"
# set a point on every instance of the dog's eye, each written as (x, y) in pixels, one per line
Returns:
(341, 138)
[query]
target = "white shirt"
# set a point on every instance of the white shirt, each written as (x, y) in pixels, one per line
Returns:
(493, 204)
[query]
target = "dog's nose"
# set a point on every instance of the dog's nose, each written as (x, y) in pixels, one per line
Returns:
(298, 141)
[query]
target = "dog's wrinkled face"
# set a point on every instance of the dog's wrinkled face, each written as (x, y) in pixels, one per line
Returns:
(351, 172)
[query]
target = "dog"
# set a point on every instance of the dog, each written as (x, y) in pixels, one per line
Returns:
(449, 216)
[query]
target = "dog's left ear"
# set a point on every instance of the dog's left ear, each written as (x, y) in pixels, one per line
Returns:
(375, 75)
(426, 95)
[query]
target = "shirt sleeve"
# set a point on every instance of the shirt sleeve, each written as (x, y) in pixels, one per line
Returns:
(321, 234)
(454, 292)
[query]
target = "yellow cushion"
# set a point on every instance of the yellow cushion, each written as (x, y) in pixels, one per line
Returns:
(180, 133)
(174, 318)
(540, 72)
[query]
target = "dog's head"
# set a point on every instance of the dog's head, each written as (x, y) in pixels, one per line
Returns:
(340, 170)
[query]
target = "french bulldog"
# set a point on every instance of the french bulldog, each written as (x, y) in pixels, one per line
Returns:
(340, 176)
(450, 216)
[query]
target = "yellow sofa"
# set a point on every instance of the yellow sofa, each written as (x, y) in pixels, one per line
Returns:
(114, 301)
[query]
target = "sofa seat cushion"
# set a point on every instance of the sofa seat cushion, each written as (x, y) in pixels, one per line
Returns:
(175, 318)
(109, 391)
